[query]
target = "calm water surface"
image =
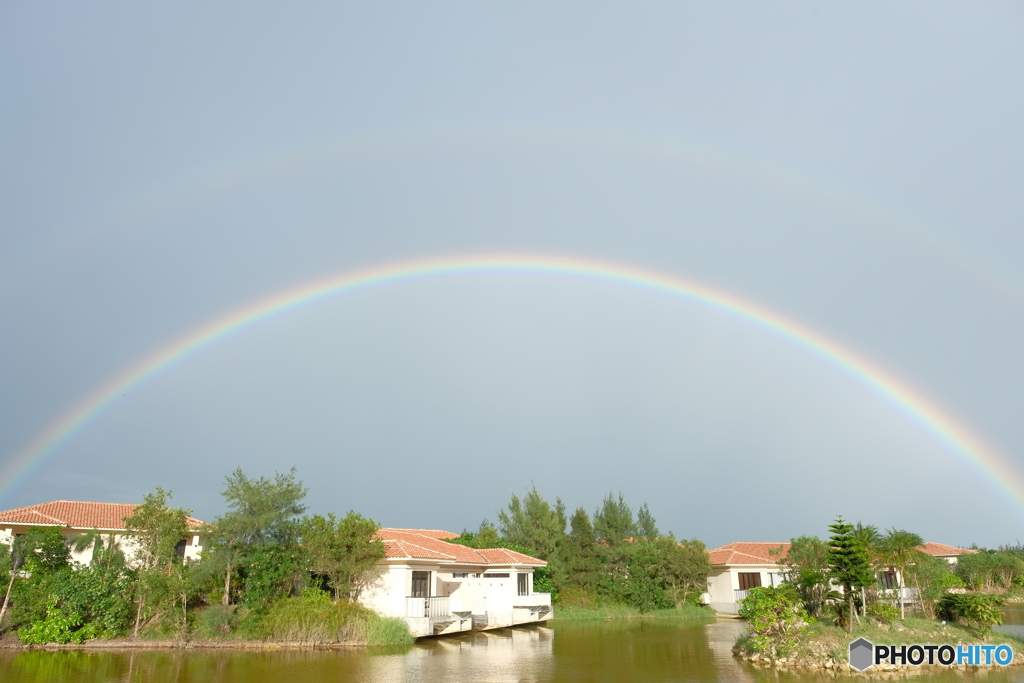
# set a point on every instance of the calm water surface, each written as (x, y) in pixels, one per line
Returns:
(641, 651)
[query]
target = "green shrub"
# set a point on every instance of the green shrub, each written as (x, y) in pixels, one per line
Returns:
(776, 619)
(884, 612)
(953, 581)
(981, 610)
(59, 626)
(216, 621)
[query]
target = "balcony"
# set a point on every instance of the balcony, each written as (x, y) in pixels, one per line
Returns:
(434, 608)
(533, 601)
(739, 595)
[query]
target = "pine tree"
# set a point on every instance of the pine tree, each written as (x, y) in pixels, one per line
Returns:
(582, 560)
(849, 563)
(539, 527)
(646, 527)
(613, 522)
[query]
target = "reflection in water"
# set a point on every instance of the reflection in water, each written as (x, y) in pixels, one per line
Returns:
(645, 651)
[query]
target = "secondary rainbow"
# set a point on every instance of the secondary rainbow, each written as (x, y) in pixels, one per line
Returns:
(970, 448)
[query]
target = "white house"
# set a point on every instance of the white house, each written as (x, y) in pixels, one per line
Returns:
(738, 567)
(440, 587)
(949, 553)
(75, 518)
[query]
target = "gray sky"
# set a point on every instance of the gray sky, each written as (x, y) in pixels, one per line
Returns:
(855, 168)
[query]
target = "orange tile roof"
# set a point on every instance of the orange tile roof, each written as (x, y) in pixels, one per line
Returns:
(758, 553)
(430, 533)
(77, 514)
(943, 550)
(424, 544)
(506, 556)
(747, 553)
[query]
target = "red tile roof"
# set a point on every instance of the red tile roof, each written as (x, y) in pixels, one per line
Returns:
(747, 553)
(430, 533)
(943, 550)
(758, 553)
(426, 544)
(77, 514)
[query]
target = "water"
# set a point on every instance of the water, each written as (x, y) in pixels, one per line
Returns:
(634, 651)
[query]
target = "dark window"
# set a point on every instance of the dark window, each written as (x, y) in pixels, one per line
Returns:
(460, 575)
(750, 580)
(495, 575)
(888, 580)
(523, 580)
(180, 549)
(421, 584)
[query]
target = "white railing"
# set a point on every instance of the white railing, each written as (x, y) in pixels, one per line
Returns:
(427, 607)
(739, 595)
(533, 600)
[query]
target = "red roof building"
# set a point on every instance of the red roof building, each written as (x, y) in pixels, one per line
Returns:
(441, 587)
(75, 517)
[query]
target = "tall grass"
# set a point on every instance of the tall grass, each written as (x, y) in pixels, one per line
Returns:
(309, 620)
(314, 620)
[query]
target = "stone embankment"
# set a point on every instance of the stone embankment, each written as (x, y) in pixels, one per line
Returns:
(821, 661)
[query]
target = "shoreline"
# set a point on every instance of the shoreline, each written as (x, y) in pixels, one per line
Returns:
(825, 649)
(133, 645)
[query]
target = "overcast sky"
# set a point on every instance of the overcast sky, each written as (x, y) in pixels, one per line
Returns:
(856, 168)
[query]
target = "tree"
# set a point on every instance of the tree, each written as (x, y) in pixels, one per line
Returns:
(899, 551)
(932, 578)
(806, 567)
(11, 563)
(42, 554)
(341, 550)
(645, 524)
(613, 522)
(849, 564)
(582, 561)
(685, 568)
(154, 530)
(260, 511)
(870, 539)
(642, 584)
(539, 527)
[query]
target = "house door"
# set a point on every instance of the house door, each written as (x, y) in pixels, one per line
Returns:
(420, 584)
(523, 581)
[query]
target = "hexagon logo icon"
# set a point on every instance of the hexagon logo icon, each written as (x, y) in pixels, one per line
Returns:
(862, 654)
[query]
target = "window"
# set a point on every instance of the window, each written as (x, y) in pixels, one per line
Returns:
(180, 549)
(495, 575)
(749, 580)
(888, 580)
(460, 575)
(523, 581)
(420, 584)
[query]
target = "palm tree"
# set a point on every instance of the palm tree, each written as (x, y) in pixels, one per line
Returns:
(899, 548)
(870, 539)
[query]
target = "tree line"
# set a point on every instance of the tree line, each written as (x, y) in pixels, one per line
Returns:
(260, 552)
(614, 556)
(859, 574)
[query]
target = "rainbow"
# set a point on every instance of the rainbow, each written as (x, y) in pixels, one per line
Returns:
(971, 449)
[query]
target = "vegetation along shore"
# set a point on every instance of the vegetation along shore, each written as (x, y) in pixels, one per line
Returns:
(270, 576)
(862, 583)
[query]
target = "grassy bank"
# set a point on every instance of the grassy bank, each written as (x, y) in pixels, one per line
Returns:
(311, 621)
(823, 644)
(308, 620)
(594, 612)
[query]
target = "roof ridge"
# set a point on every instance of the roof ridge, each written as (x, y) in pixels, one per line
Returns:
(415, 545)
